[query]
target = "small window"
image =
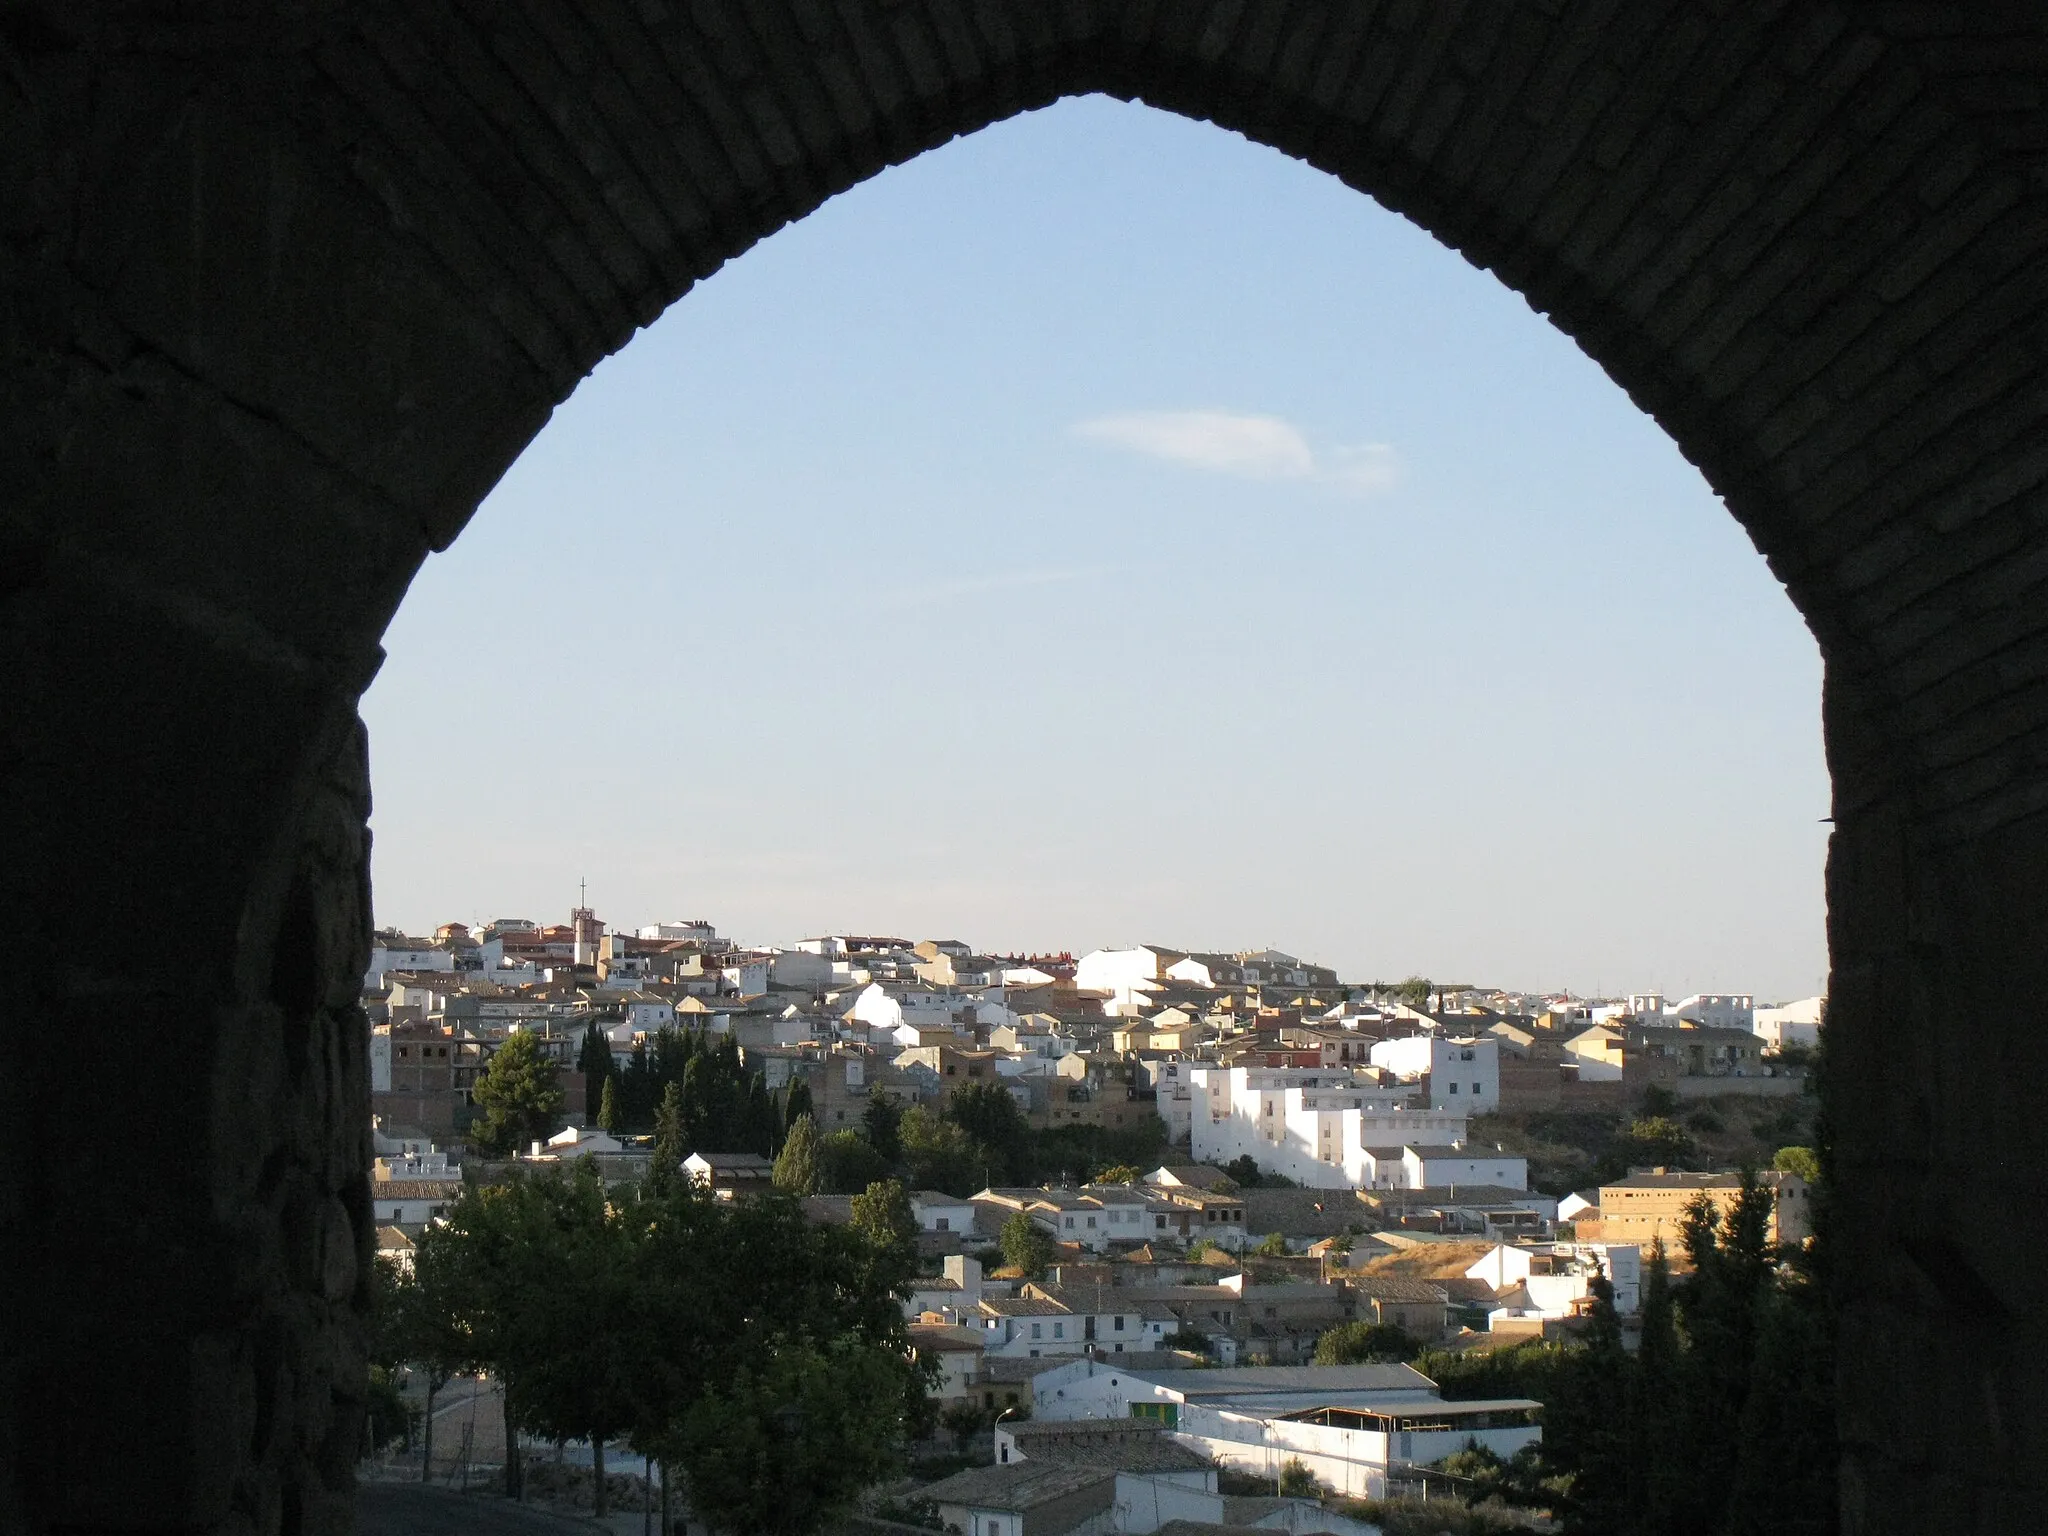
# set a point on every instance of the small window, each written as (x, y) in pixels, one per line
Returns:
(945, 1224)
(1059, 1330)
(1038, 1330)
(1454, 1087)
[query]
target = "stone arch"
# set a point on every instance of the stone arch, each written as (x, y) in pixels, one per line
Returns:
(285, 293)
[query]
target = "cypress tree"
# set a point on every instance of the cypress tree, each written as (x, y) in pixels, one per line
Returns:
(696, 1120)
(594, 1061)
(796, 1167)
(636, 1094)
(1654, 1453)
(1786, 1452)
(798, 1102)
(764, 1130)
(669, 1147)
(608, 1109)
(1717, 1309)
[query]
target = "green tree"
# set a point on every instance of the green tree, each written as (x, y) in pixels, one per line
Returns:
(1802, 1161)
(1272, 1246)
(579, 1357)
(1296, 1481)
(1654, 1450)
(847, 1163)
(964, 1421)
(1366, 1344)
(518, 1096)
(594, 1061)
(1118, 1173)
(882, 1215)
(1026, 1245)
(793, 1435)
(880, 1120)
(1786, 1452)
(671, 1143)
(937, 1153)
(608, 1109)
(637, 1087)
(1582, 1456)
(390, 1417)
(797, 1103)
(1717, 1312)
(484, 1277)
(987, 1111)
(1243, 1171)
(1659, 1102)
(1654, 1142)
(797, 1166)
(798, 1383)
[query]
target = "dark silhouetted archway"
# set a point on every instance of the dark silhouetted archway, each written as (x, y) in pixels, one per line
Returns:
(283, 289)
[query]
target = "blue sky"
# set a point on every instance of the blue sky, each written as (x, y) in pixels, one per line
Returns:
(1105, 530)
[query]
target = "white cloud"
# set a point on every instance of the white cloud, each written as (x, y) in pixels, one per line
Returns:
(1237, 443)
(1367, 469)
(1259, 447)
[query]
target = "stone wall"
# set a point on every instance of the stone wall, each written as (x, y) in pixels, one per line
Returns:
(283, 289)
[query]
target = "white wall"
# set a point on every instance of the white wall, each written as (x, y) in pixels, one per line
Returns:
(1310, 1124)
(1437, 1167)
(382, 960)
(1464, 1074)
(1119, 972)
(800, 968)
(1793, 1024)
(1722, 1010)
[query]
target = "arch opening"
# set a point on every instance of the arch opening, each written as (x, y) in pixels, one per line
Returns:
(872, 536)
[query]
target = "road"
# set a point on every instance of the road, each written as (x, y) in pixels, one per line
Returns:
(406, 1509)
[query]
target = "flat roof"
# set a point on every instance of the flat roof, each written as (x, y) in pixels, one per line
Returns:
(1413, 1407)
(1245, 1382)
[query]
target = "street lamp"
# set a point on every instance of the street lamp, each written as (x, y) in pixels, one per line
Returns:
(997, 1428)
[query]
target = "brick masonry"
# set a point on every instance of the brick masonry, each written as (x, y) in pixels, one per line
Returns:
(284, 288)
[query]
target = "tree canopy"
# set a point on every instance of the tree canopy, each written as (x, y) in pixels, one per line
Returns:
(779, 1378)
(797, 1166)
(1366, 1344)
(518, 1096)
(1026, 1245)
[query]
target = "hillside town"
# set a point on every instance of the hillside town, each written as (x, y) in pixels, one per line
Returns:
(1151, 1191)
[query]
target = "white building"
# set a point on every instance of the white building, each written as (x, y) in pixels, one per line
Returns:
(412, 1202)
(1462, 1073)
(1791, 1023)
(427, 1163)
(936, 1212)
(1554, 1280)
(383, 960)
(1718, 1010)
(1094, 1216)
(1448, 1167)
(1324, 1128)
(695, 931)
(952, 1297)
(1352, 1426)
(1129, 976)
